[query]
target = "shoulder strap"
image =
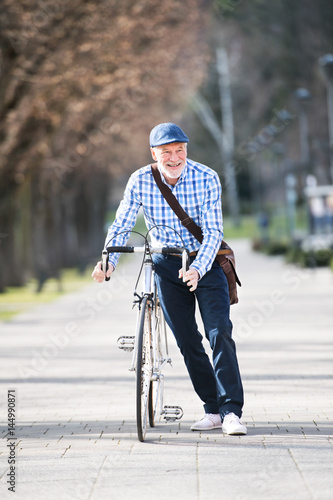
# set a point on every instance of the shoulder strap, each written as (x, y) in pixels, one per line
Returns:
(184, 218)
(189, 223)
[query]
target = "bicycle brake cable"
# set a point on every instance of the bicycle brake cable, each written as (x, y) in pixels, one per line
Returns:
(126, 231)
(146, 246)
(169, 227)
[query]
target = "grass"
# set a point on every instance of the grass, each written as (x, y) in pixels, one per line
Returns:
(278, 225)
(247, 229)
(140, 225)
(19, 299)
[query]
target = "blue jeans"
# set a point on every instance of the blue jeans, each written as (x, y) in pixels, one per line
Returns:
(218, 386)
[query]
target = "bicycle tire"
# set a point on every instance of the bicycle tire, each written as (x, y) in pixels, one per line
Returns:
(143, 370)
(151, 412)
(156, 387)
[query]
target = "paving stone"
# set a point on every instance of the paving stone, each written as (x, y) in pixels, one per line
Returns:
(75, 397)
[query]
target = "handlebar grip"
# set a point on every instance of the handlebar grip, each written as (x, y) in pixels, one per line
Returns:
(168, 250)
(105, 264)
(120, 249)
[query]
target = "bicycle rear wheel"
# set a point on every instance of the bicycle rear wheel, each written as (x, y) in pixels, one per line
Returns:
(143, 370)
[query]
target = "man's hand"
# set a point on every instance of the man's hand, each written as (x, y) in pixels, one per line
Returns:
(191, 277)
(98, 274)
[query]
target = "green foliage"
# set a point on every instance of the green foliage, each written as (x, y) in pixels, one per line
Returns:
(294, 254)
(277, 248)
(246, 229)
(315, 258)
(18, 299)
(271, 247)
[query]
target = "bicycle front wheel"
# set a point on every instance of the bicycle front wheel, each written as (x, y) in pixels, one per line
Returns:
(143, 370)
(156, 386)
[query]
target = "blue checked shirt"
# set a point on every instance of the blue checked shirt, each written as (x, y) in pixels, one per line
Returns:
(198, 191)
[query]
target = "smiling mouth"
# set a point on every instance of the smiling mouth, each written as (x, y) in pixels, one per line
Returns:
(174, 165)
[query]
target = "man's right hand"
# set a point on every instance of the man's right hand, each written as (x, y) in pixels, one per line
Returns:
(99, 275)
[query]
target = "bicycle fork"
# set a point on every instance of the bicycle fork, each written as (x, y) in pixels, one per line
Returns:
(130, 343)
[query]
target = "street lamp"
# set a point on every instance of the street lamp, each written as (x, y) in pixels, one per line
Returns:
(326, 64)
(303, 96)
(291, 197)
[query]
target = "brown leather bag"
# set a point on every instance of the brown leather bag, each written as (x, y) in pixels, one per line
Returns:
(225, 256)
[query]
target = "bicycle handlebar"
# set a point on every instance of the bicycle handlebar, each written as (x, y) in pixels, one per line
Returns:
(122, 249)
(162, 250)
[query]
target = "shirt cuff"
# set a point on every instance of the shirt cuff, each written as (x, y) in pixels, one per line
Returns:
(200, 270)
(114, 260)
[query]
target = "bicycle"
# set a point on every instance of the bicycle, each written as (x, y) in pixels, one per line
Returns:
(149, 344)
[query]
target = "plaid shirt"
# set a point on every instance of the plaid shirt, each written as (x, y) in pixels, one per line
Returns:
(198, 191)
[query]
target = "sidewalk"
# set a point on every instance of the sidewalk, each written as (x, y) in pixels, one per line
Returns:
(75, 398)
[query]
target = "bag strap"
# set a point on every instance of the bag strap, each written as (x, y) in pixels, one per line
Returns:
(189, 223)
(184, 218)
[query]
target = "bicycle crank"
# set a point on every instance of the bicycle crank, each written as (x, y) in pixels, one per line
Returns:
(172, 413)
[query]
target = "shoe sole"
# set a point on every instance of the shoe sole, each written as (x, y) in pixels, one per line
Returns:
(235, 433)
(208, 429)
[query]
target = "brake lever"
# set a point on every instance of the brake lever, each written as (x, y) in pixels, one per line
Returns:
(185, 262)
(105, 264)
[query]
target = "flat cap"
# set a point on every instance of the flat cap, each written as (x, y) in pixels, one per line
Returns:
(166, 133)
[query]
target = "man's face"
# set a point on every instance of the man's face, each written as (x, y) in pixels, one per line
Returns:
(171, 159)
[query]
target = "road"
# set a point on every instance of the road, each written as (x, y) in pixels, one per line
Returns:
(75, 433)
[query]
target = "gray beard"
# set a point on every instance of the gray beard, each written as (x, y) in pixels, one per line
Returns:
(171, 174)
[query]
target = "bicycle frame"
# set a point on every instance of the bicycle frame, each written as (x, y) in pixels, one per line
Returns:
(149, 291)
(152, 355)
(149, 288)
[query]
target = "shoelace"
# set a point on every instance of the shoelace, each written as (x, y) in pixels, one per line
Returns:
(210, 416)
(231, 417)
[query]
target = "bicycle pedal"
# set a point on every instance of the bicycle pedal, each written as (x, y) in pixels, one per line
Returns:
(126, 343)
(172, 413)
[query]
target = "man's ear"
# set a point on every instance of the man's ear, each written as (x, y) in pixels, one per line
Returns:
(153, 154)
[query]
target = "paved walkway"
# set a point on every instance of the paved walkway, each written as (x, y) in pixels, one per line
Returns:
(75, 414)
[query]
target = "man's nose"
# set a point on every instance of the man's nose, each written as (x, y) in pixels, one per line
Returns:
(173, 156)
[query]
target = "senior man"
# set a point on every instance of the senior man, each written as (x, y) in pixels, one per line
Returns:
(198, 190)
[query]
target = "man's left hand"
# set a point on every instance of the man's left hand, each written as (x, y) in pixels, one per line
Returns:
(191, 277)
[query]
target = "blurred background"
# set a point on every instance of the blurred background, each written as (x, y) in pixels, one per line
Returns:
(83, 82)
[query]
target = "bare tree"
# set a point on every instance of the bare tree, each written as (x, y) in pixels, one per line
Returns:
(223, 134)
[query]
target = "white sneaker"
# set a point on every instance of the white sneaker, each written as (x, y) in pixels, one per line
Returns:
(233, 426)
(208, 422)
